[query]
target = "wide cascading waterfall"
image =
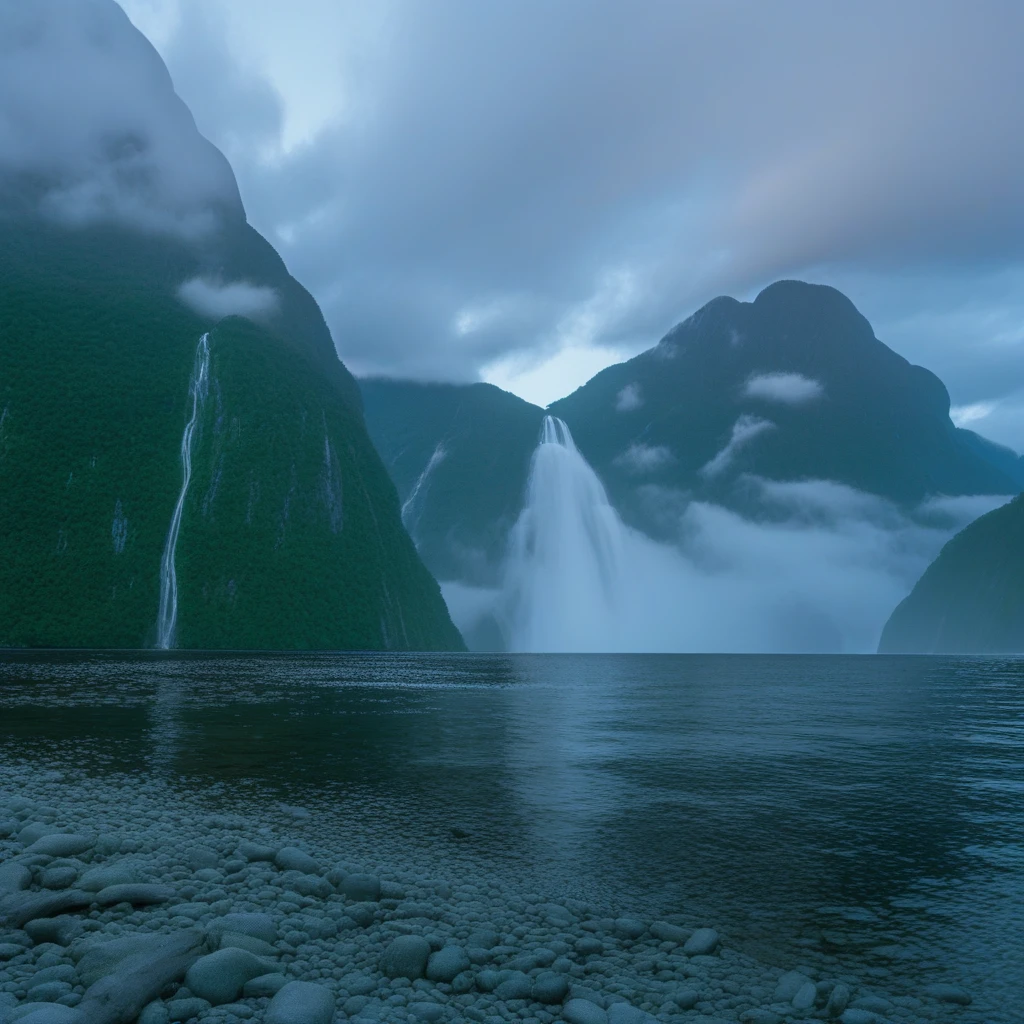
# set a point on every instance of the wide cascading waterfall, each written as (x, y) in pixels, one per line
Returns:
(564, 579)
(167, 620)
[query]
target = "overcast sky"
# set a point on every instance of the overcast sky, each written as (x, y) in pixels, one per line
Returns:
(525, 191)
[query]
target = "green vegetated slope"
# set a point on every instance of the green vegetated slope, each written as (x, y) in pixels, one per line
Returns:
(652, 426)
(291, 536)
(480, 438)
(971, 598)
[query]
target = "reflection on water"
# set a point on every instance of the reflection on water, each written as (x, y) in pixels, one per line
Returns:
(861, 813)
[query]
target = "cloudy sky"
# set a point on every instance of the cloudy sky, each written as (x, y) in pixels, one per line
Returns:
(525, 191)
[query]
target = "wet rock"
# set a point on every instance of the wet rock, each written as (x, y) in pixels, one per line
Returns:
(61, 845)
(9, 950)
(582, 1011)
(219, 977)
(62, 930)
(446, 963)
(630, 928)
(860, 1017)
(20, 907)
(239, 941)
(59, 877)
(253, 852)
(788, 986)
(805, 996)
(429, 1012)
(838, 1000)
(759, 1015)
(186, 1009)
(259, 926)
(624, 1013)
(155, 1013)
(665, 932)
(703, 942)
(103, 958)
(589, 945)
(550, 988)
(47, 991)
(361, 888)
(515, 986)
(138, 894)
(291, 858)
(14, 878)
(301, 1002)
(406, 957)
(200, 857)
(99, 878)
(685, 998)
(35, 831)
(949, 994)
(51, 1013)
(264, 985)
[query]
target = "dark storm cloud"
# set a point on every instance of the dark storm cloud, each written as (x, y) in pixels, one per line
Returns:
(497, 162)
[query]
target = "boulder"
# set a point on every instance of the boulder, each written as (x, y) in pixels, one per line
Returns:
(301, 1002)
(406, 957)
(220, 977)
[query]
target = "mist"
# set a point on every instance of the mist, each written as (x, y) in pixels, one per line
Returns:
(821, 572)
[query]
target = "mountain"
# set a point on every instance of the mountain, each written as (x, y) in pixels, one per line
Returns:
(970, 600)
(792, 386)
(113, 271)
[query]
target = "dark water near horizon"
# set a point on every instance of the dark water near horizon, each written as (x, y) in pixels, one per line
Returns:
(855, 814)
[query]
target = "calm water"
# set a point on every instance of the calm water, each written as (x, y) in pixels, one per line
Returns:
(856, 814)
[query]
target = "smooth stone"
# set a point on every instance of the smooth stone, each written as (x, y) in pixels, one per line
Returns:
(406, 957)
(629, 928)
(264, 985)
(301, 1002)
(254, 852)
(686, 998)
(703, 942)
(805, 997)
(105, 958)
(488, 981)
(62, 845)
(61, 931)
(483, 940)
(14, 877)
(48, 991)
(874, 1004)
(219, 977)
(550, 988)
(305, 884)
(948, 994)
(52, 1013)
(237, 940)
(588, 945)
(758, 1015)
(583, 1011)
(624, 1013)
(99, 878)
(35, 831)
(788, 986)
(426, 1011)
(517, 986)
(200, 857)
(58, 878)
(138, 894)
(291, 858)
(259, 926)
(361, 888)
(9, 950)
(665, 932)
(155, 1013)
(446, 963)
(838, 1000)
(859, 1017)
(186, 1009)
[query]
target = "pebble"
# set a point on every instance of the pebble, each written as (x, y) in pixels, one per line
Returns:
(703, 942)
(362, 888)
(301, 1002)
(61, 845)
(406, 957)
(290, 858)
(583, 1011)
(219, 977)
(264, 985)
(550, 987)
(446, 963)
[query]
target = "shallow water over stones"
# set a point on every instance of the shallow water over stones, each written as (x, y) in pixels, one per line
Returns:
(855, 822)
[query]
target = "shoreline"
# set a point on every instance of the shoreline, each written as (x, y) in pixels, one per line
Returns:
(378, 940)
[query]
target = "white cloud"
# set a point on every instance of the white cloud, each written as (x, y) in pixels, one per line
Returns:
(744, 430)
(964, 415)
(788, 388)
(216, 300)
(629, 398)
(642, 458)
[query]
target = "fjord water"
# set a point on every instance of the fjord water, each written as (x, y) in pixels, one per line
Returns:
(857, 815)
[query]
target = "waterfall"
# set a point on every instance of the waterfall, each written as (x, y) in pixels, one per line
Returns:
(167, 620)
(565, 580)
(409, 518)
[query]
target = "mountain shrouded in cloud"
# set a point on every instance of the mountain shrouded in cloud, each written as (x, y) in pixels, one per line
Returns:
(163, 378)
(797, 474)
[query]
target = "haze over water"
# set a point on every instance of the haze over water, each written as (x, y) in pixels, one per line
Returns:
(852, 814)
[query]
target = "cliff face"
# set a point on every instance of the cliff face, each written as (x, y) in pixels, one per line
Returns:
(290, 531)
(970, 600)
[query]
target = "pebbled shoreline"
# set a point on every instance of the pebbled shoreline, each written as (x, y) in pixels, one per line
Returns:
(178, 914)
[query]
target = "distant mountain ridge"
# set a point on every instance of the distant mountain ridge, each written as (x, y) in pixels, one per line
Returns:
(791, 386)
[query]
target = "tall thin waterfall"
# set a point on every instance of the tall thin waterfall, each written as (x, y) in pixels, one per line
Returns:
(167, 620)
(409, 516)
(564, 578)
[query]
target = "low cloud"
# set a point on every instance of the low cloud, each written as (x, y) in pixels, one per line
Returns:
(787, 388)
(91, 130)
(643, 458)
(629, 398)
(216, 300)
(744, 430)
